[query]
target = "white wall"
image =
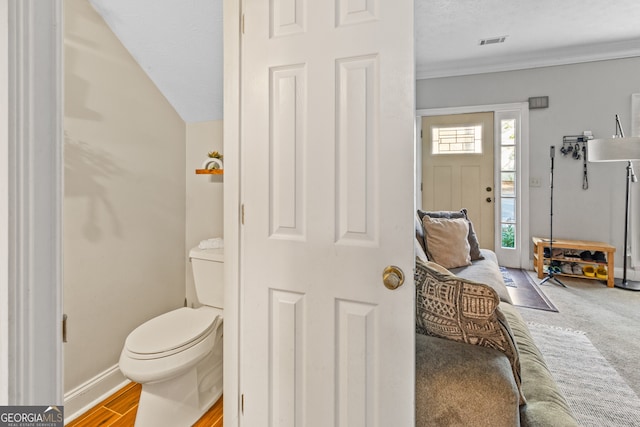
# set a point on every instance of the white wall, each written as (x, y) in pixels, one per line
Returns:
(124, 205)
(581, 97)
(204, 210)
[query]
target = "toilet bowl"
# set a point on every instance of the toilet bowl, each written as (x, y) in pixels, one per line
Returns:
(177, 356)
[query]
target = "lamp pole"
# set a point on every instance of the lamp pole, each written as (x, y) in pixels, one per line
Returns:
(624, 283)
(550, 274)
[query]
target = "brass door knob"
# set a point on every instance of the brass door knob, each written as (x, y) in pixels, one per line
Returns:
(392, 277)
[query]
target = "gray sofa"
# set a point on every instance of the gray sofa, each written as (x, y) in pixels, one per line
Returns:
(460, 384)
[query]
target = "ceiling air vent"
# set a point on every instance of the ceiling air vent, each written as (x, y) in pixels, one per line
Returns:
(493, 40)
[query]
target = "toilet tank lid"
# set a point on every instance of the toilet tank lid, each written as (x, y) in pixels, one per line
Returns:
(216, 254)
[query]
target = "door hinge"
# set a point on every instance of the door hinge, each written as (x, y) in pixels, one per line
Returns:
(242, 24)
(242, 403)
(242, 214)
(64, 328)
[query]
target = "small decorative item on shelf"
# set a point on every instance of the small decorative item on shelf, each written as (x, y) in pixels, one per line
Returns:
(212, 165)
(214, 161)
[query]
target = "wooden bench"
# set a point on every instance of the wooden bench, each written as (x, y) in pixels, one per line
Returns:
(540, 243)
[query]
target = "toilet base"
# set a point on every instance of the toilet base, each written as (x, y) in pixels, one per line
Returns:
(182, 400)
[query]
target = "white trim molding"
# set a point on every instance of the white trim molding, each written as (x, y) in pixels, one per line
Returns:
(524, 61)
(90, 393)
(35, 203)
(4, 201)
(232, 297)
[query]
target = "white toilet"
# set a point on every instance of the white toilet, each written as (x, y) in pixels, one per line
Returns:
(177, 356)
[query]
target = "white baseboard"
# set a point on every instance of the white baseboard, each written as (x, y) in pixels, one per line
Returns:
(87, 395)
(632, 273)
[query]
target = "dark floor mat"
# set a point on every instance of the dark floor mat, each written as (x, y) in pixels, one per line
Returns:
(524, 292)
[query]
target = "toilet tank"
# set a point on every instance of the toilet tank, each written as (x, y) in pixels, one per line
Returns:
(207, 266)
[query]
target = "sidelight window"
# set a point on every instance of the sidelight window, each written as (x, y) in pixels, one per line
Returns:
(508, 188)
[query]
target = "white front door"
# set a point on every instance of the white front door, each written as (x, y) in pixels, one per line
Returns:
(327, 106)
(459, 173)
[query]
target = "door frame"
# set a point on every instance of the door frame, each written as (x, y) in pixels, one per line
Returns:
(521, 109)
(31, 371)
(232, 17)
(4, 200)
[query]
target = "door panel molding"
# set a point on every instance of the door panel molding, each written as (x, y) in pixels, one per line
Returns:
(287, 17)
(287, 334)
(357, 380)
(355, 12)
(287, 151)
(356, 147)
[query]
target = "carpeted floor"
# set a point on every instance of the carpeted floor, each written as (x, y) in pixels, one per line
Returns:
(609, 317)
(595, 391)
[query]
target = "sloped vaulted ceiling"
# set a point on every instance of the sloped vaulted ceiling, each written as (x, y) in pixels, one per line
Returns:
(178, 43)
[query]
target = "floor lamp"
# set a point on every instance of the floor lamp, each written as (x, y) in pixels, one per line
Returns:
(619, 149)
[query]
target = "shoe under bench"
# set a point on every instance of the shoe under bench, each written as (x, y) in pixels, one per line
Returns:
(540, 243)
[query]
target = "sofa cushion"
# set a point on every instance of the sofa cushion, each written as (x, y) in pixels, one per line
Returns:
(446, 241)
(486, 271)
(474, 245)
(461, 310)
(463, 385)
(546, 406)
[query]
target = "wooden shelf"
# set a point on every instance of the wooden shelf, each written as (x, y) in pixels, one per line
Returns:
(209, 171)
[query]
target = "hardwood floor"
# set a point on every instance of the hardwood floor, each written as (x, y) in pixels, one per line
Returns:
(119, 410)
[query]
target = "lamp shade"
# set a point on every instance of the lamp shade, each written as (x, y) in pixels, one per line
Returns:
(613, 149)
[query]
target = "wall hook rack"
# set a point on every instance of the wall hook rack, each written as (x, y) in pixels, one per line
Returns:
(576, 147)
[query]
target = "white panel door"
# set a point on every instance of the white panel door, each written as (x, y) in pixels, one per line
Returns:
(327, 128)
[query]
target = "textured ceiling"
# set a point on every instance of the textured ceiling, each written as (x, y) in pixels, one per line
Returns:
(539, 33)
(179, 42)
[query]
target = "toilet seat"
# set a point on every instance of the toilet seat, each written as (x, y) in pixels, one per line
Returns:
(172, 332)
